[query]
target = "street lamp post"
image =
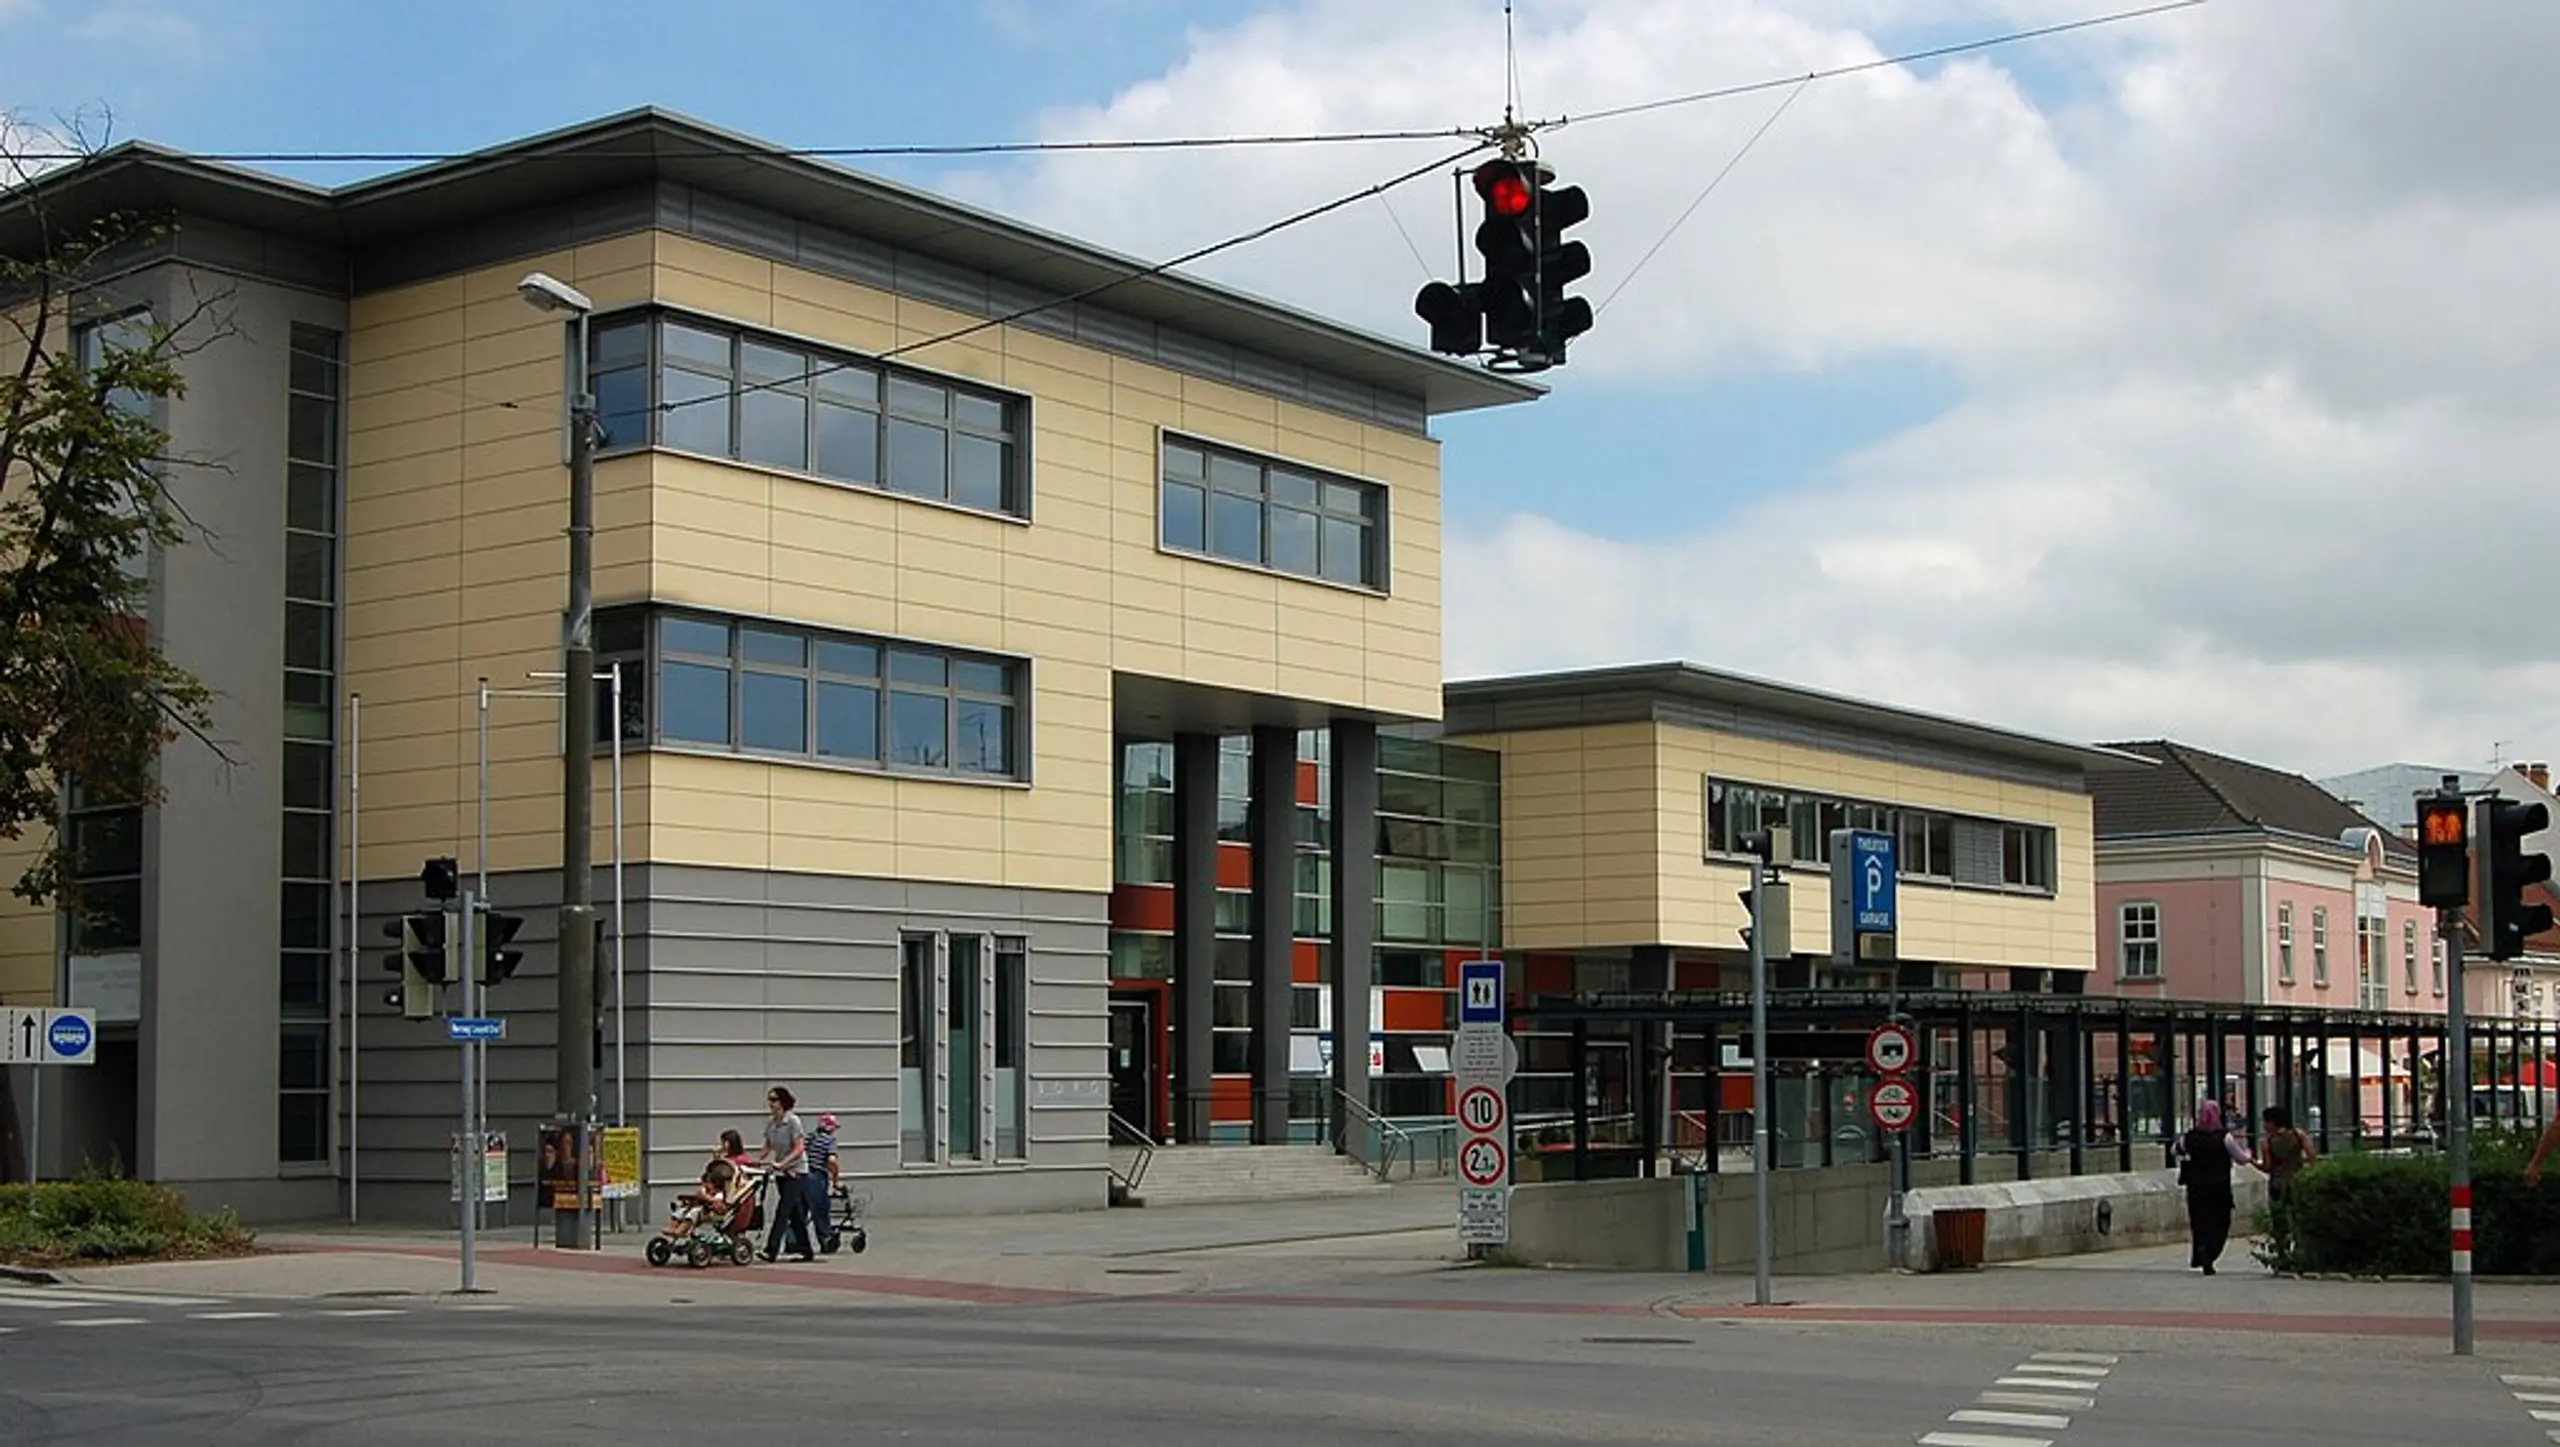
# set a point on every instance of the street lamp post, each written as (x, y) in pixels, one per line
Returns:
(575, 1100)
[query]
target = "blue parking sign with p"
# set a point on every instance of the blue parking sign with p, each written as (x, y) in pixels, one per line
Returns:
(1872, 874)
(1480, 992)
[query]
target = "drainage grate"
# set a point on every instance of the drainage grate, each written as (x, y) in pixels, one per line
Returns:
(1142, 1271)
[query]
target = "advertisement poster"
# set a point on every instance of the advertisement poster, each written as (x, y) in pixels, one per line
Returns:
(621, 1162)
(493, 1167)
(561, 1167)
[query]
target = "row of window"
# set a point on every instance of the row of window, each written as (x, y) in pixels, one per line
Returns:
(1929, 844)
(699, 681)
(308, 867)
(665, 380)
(2138, 950)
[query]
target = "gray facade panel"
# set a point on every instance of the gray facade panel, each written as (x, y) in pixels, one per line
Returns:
(771, 978)
(206, 1098)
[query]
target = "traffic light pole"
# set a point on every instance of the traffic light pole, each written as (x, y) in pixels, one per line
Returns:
(463, 931)
(2454, 1089)
(1760, 1161)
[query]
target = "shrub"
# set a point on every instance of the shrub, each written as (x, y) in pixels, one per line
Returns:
(2368, 1215)
(109, 1218)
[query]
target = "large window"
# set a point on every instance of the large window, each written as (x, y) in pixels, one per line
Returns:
(916, 998)
(701, 386)
(1244, 509)
(104, 916)
(1012, 1030)
(2284, 942)
(2138, 940)
(1929, 844)
(764, 688)
(2409, 957)
(307, 869)
(2320, 947)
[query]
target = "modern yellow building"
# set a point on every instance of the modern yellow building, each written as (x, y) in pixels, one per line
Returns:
(909, 519)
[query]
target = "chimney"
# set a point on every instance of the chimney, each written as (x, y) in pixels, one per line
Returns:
(2540, 773)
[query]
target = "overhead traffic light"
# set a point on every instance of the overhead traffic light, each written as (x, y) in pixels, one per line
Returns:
(1520, 309)
(2444, 852)
(497, 934)
(420, 962)
(2505, 871)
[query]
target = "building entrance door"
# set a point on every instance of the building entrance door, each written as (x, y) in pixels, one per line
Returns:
(1137, 1034)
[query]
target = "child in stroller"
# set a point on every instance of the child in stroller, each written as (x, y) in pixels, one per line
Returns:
(714, 1221)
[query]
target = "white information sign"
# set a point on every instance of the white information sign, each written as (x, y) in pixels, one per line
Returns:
(1480, 1068)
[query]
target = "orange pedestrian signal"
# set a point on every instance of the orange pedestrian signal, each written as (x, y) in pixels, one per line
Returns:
(2444, 853)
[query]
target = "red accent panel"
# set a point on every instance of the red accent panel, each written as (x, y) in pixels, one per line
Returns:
(1142, 907)
(1231, 1097)
(1736, 1090)
(1422, 1010)
(1550, 974)
(1305, 962)
(1235, 866)
(1307, 793)
(1696, 975)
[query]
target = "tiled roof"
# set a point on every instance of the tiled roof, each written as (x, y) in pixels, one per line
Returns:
(2198, 792)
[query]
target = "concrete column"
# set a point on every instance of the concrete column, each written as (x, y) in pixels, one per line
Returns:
(1195, 930)
(1273, 830)
(1355, 911)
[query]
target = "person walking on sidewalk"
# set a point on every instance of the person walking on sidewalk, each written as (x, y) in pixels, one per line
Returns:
(822, 1182)
(2206, 1155)
(786, 1149)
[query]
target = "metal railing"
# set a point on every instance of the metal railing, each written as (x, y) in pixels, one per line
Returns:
(1141, 1148)
(1371, 1139)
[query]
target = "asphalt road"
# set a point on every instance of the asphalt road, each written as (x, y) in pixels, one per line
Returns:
(110, 1369)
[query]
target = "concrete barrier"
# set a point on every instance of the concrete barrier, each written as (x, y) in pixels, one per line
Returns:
(2071, 1215)
(1823, 1221)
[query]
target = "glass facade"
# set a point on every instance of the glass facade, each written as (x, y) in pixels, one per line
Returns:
(1439, 849)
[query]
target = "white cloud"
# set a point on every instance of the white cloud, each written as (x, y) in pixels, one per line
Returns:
(2255, 331)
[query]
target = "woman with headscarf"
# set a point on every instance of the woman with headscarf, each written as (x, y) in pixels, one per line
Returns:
(2206, 1155)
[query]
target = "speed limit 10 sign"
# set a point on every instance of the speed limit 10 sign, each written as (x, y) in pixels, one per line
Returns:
(1480, 1110)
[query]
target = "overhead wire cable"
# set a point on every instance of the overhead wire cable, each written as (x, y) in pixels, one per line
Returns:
(1701, 198)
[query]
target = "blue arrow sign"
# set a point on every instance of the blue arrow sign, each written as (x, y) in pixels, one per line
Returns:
(464, 1027)
(1871, 864)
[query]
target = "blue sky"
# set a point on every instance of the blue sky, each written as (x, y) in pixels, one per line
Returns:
(293, 75)
(2088, 386)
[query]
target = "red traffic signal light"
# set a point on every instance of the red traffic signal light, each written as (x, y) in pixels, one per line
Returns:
(2444, 853)
(1507, 188)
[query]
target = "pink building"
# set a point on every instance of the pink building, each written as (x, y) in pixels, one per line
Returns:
(2222, 880)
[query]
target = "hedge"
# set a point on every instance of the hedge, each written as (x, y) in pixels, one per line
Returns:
(109, 1218)
(2367, 1215)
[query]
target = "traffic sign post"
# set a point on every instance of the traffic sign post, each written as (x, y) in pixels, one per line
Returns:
(1480, 1068)
(40, 1038)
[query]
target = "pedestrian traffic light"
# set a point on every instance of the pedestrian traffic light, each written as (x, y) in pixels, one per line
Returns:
(419, 961)
(2505, 870)
(2444, 852)
(497, 933)
(1456, 314)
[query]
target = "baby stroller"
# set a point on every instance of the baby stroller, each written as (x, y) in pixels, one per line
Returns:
(703, 1234)
(843, 1226)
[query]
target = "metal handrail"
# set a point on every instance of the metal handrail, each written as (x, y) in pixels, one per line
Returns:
(1124, 1133)
(1391, 1136)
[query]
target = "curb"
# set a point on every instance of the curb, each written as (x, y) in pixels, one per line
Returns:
(29, 1276)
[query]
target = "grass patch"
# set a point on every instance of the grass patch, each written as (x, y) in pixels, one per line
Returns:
(109, 1218)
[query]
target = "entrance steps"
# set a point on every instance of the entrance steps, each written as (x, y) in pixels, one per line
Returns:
(1200, 1175)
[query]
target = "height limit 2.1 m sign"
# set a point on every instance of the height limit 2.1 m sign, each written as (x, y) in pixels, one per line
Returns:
(1481, 1074)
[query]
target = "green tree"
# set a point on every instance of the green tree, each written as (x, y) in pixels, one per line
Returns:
(86, 693)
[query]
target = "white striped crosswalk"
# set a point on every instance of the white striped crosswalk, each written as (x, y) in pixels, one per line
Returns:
(2030, 1400)
(25, 1308)
(2540, 1398)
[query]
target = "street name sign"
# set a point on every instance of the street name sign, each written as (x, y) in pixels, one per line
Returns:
(465, 1027)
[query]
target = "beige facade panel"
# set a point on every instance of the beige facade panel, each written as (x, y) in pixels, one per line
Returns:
(456, 506)
(30, 944)
(1604, 841)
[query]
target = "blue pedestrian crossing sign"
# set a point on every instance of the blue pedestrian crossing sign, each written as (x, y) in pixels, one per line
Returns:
(1480, 992)
(1871, 870)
